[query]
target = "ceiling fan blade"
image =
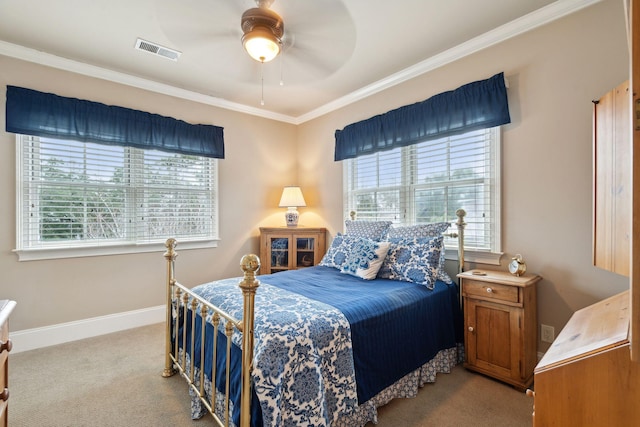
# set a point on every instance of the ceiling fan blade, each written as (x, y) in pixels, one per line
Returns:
(200, 22)
(319, 38)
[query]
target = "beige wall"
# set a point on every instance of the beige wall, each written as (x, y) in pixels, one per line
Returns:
(260, 160)
(554, 73)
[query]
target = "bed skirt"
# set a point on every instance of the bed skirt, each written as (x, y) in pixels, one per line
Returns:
(406, 387)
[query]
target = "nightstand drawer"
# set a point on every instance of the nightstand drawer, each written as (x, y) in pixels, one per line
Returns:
(490, 291)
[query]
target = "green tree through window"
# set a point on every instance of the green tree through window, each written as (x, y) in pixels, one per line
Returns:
(428, 182)
(75, 193)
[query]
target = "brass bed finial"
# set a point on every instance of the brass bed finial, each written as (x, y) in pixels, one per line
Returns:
(250, 264)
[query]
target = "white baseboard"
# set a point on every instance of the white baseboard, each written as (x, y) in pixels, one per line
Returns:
(31, 339)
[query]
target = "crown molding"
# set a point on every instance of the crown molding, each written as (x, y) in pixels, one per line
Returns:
(43, 58)
(533, 20)
(542, 16)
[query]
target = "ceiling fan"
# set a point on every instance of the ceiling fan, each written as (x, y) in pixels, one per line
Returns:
(318, 38)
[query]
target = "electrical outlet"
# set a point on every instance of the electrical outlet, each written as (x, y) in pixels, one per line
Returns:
(547, 333)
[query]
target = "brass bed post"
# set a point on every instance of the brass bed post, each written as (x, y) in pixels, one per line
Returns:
(461, 213)
(460, 224)
(170, 255)
(250, 264)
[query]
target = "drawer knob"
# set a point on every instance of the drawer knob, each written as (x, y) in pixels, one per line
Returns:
(489, 290)
(8, 345)
(4, 396)
(470, 328)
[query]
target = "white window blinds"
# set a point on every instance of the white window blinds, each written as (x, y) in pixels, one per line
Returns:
(76, 194)
(427, 182)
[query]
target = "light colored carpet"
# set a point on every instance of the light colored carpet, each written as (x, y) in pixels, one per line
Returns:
(115, 380)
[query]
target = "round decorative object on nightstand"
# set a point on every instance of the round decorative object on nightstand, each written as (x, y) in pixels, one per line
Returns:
(517, 267)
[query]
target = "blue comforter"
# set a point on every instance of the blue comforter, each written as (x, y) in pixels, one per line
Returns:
(396, 327)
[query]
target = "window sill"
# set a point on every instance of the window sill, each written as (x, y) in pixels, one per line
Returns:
(104, 250)
(478, 257)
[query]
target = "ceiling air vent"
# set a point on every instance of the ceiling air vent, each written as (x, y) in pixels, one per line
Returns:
(156, 49)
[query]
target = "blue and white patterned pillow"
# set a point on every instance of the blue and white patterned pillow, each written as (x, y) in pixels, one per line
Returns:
(374, 230)
(424, 230)
(419, 230)
(339, 250)
(365, 259)
(413, 260)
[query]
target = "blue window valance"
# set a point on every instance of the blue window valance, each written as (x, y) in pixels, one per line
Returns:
(30, 112)
(478, 105)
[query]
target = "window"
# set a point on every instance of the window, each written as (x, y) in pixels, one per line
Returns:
(427, 182)
(77, 198)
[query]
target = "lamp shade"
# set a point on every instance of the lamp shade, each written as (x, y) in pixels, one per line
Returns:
(291, 197)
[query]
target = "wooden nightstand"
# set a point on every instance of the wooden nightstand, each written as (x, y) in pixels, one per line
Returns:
(6, 307)
(500, 323)
(290, 248)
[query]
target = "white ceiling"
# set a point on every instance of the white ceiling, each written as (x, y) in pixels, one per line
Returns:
(336, 51)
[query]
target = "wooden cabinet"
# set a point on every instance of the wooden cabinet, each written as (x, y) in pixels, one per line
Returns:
(290, 248)
(612, 181)
(500, 325)
(6, 307)
(591, 374)
(587, 378)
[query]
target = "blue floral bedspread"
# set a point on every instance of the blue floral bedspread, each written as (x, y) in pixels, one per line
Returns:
(303, 370)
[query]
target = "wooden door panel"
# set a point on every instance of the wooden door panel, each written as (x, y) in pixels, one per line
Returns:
(494, 336)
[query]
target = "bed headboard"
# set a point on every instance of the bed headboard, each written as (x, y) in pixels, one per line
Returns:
(459, 234)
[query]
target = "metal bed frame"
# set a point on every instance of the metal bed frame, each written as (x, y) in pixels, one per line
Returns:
(180, 300)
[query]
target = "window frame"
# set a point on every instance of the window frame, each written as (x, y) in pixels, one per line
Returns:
(406, 188)
(102, 247)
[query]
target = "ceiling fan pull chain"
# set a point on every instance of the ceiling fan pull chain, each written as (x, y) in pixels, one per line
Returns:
(262, 83)
(281, 73)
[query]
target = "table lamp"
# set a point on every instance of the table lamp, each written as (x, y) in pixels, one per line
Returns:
(291, 199)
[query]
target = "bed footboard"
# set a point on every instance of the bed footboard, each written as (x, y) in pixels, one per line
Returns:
(186, 314)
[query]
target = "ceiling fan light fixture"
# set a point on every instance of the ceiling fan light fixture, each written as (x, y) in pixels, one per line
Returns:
(262, 31)
(261, 44)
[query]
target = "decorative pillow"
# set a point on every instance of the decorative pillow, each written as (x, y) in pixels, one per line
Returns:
(365, 259)
(374, 230)
(424, 230)
(414, 261)
(419, 230)
(339, 250)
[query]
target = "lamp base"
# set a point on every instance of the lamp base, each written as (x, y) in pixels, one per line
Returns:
(291, 217)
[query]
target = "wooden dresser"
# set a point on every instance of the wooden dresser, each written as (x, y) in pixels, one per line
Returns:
(6, 307)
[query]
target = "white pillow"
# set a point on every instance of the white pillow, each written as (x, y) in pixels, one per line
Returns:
(365, 258)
